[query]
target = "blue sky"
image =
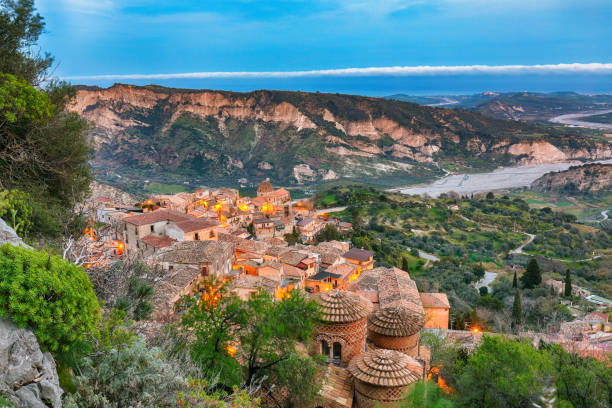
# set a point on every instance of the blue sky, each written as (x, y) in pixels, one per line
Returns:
(120, 37)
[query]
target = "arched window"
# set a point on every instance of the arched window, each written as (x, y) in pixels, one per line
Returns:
(337, 355)
(325, 350)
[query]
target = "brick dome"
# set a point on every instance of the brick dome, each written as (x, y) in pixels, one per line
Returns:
(382, 377)
(265, 187)
(396, 321)
(339, 306)
(385, 368)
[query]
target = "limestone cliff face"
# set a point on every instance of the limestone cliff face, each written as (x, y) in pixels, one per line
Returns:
(280, 134)
(590, 178)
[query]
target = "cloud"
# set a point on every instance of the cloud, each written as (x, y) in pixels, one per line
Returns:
(574, 68)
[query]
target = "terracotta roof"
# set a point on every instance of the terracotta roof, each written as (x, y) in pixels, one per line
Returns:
(339, 306)
(152, 217)
(600, 317)
(358, 254)
(280, 192)
(435, 300)
(293, 272)
(385, 368)
(195, 252)
(158, 242)
(259, 201)
(343, 269)
(305, 222)
(244, 245)
(254, 282)
(272, 264)
(265, 187)
(396, 321)
(196, 224)
(337, 388)
(292, 257)
(276, 250)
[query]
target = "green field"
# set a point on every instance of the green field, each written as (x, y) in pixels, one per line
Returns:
(160, 188)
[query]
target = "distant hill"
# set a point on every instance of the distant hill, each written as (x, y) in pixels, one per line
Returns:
(528, 106)
(178, 136)
(590, 178)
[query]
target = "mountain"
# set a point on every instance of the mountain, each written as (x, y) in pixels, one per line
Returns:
(218, 137)
(590, 178)
(527, 106)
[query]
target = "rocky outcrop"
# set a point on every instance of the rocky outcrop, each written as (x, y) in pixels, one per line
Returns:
(8, 235)
(590, 178)
(297, 137)
(28, 377)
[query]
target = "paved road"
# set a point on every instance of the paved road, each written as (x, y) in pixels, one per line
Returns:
(427, 256)
(330, 210)
(604, 214)
(572, 119)
(519, 250)
(486, 280)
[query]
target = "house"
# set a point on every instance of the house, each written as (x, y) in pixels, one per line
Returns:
(309, 228)
(264, 228)
(151, 244)
(195, 229)
(322, 281)
(437, 308)
(360, 257)
(271, 270)
(153, 223)
(246, 285)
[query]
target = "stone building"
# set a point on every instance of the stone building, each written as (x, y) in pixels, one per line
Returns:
(382, 377)
(397, 328)
(342, 334)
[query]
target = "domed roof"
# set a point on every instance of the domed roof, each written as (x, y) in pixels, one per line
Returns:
(385, 368)
(396, 321)
(265, 187)
(339, 306)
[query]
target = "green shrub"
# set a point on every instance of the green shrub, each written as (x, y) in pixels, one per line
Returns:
(53, 297)
(16, 210)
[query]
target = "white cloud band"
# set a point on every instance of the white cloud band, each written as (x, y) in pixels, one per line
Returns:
(575, 68)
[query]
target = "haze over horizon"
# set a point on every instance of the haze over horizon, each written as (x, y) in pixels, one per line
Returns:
(361, 47)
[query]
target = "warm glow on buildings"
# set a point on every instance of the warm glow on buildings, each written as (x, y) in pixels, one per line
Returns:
(231, 350)
(204, 203)
(243, 207)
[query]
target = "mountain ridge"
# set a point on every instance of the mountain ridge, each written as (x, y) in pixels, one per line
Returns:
(303, 138)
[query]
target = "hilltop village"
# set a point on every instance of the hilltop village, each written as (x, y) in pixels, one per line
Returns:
(371, 315)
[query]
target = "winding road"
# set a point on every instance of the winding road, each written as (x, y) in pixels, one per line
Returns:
(519, 250)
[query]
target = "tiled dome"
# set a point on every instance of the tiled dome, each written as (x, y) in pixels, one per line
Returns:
(396, 321)
(385, 368)
(265, 187)
(339, 306)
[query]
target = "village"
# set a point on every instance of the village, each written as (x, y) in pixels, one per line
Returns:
(372, 316)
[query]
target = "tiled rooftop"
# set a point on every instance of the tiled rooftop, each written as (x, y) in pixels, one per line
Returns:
(152, 217)
(359, 254)
(339, 306)
(385, 368)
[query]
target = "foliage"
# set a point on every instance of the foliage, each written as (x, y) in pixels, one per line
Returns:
(532, 276)
(15, 209)
(425, 394)
(503, 372)
(261, 331)
(198, 396)
(137, 301)
(583, 382)
(133, 375)
(567, 289)
(329, 233)
(517, 311)
(53, 297)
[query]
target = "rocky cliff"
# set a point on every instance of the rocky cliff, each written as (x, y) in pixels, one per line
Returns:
(590, 178)
(294, 137)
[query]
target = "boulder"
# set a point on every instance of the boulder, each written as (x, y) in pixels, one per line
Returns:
(7, 234)
(28, 377)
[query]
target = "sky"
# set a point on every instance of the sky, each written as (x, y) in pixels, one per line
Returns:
(356, 46)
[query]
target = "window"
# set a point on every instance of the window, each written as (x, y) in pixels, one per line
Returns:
(325, 348)
(196, 236)
(170, 267)
(152, 228)
(212, 234)
(204, 271)
(337, 351)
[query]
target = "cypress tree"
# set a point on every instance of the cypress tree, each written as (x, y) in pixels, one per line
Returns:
(568, 283)
(517, 311)
(532, 276)
(514, 281)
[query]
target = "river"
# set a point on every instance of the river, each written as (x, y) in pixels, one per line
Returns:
(572, 120)
(499, 179)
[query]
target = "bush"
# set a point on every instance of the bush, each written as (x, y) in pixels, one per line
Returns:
(53, 297)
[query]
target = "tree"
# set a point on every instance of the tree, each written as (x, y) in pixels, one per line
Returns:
(503, 373)
(517, 311)
(329, 233)
(43, 147)
(514, 281)
(568, 283)
(532, 276)
(20, 27)
(425, 394)
(53, 297)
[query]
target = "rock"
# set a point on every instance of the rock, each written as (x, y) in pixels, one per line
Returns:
(7, 234)
(28, 377)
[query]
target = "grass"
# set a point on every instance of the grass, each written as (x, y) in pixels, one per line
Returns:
(161, 188)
